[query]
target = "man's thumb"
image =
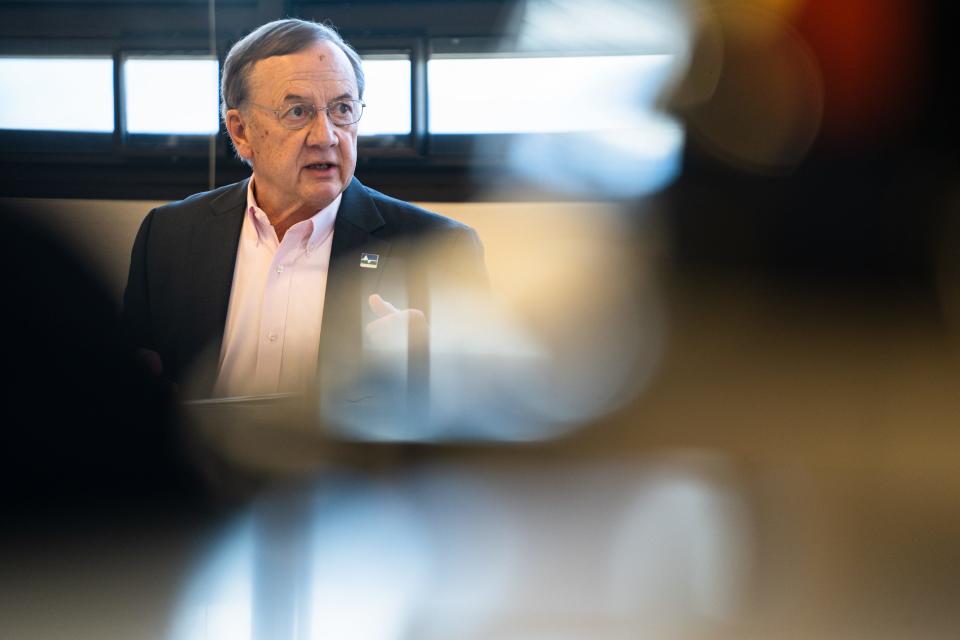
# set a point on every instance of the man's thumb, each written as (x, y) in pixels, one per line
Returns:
(380, 306)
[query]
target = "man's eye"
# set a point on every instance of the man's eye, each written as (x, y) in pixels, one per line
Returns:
(342, 108)
(297, 112)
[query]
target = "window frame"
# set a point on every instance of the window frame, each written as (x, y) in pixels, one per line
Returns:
(397, 147)
(148, 145)
(38, 145)
(420, 165)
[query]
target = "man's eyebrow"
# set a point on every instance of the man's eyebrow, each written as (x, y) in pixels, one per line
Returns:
(292, 97)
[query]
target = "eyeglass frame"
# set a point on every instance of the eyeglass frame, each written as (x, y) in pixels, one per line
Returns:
(315, 109)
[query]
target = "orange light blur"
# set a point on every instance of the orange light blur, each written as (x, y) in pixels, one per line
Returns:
(870, 55)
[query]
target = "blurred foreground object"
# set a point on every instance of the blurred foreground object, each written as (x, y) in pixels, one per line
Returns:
(84, 424)
(589, 79)
(754, 96)
(480, 552)
(769, 79)
(570, 330)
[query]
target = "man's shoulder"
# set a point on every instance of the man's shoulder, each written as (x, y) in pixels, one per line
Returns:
(450, 250)
(409, 218)
(221, 197)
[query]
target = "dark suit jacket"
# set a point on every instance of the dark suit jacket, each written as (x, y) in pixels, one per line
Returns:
(181, 273)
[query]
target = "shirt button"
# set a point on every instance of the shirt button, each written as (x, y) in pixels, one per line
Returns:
(280, 269)
(272, 337)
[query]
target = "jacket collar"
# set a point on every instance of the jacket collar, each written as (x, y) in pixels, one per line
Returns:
(231, 198)
(358, 208)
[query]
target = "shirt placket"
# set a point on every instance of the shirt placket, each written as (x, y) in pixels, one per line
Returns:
(274, 315)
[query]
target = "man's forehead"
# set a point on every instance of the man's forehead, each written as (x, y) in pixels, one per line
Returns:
(321, 66)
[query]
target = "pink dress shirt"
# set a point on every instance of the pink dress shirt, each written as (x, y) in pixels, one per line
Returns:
(272, 337)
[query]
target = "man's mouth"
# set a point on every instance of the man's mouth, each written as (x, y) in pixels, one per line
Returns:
(320, 166)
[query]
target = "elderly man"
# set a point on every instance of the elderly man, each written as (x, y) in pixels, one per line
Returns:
(244, 289)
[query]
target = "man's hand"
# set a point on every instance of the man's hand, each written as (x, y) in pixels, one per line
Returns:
(394, 327)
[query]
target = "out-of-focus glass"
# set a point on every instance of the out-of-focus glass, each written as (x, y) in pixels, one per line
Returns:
(649, 549)
(171, 95)
(387, 95)
(56, 93)
(542, 94)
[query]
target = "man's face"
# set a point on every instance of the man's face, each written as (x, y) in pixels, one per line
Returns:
(299, 171)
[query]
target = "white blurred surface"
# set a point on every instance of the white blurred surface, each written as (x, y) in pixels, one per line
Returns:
(387, 96)
(176, 95)
(57, 94)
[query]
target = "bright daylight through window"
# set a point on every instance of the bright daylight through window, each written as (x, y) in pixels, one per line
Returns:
(536, 95)
(56, 94)
(171, 95)
(387, 96)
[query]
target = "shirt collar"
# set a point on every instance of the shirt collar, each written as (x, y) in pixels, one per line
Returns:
(319, 226)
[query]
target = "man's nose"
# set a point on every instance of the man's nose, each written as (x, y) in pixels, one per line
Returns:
(322, 132)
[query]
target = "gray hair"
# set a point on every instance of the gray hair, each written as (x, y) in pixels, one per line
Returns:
(277, 38)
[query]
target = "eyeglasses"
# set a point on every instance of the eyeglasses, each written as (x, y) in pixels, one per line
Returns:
(342, 113)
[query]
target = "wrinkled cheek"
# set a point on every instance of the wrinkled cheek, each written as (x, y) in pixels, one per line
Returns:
(278, 160)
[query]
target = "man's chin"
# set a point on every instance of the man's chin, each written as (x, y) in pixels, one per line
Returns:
(321, 198)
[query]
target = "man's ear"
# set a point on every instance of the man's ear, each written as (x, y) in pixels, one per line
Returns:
(239, 135)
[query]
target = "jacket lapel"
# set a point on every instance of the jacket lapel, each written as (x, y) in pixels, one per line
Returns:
(349, 285)
(213, 256)
(353, 237)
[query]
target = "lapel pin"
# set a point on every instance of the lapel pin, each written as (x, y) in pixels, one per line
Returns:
(369, 260)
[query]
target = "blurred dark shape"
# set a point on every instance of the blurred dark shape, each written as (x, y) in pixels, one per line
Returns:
(769, 78)
(947, 261)
(85, 423)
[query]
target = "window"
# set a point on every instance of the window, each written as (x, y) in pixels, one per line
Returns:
(171, 95)
(442, 96)
(387, 96)
(542, 94)
(57, 94)
(584, 125)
